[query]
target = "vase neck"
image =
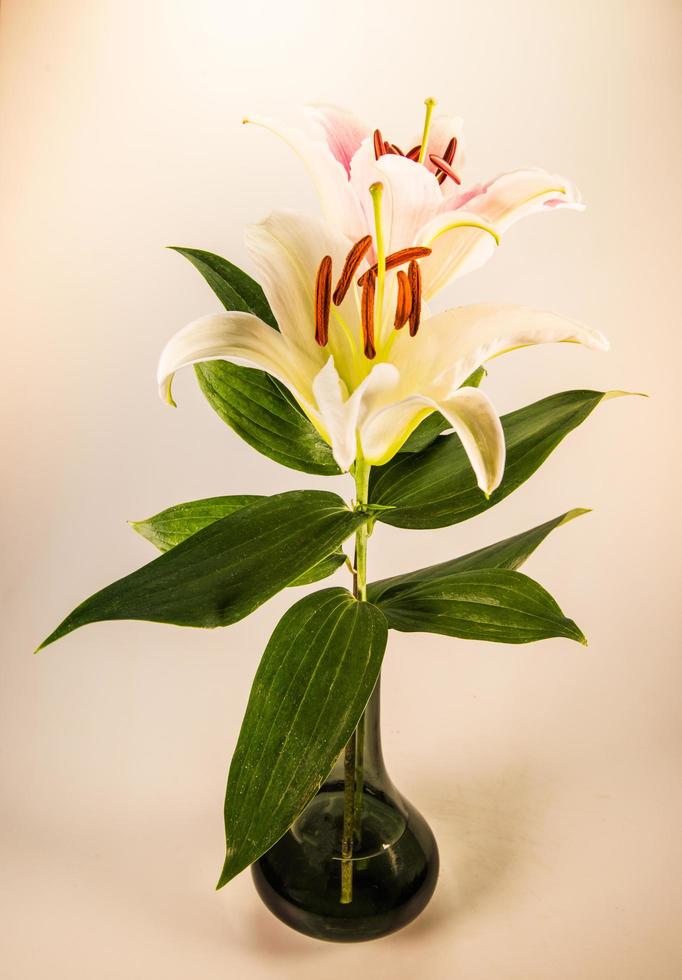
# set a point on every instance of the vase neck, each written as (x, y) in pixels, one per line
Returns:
(369, 735)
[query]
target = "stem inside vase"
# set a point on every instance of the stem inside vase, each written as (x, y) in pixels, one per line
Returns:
(353, 755)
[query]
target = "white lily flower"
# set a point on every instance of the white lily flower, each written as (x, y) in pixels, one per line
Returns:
(362, 376)
(423, 204)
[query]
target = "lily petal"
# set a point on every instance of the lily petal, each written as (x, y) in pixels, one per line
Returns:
(329, 177)
(340, 415)
(511, 196)
(238, 337)
(471, 415)
(412, 195)
(450, 345)
(287, 248)
(343, 130)
(460, 241)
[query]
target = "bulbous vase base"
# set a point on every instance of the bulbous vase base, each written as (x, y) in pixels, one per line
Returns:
(394, 868)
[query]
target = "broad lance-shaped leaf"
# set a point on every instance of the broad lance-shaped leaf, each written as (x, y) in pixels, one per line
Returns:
(437, 487)
(174, 524)
(510, 554)
(311, 687)
(251, 402)
(226, 570)
(481, 604)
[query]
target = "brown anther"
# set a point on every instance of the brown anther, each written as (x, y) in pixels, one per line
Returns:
(415, 277)
(404, 304)
(413, 154)
(367, 311)
(323, 289)
(444, 166)
(397, 258)
(441, 177)
(450, 150)
(353, 260)
(396, 149)
(378, 143)
(388, 148)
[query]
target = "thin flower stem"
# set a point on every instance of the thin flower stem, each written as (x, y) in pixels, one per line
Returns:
(353, 754)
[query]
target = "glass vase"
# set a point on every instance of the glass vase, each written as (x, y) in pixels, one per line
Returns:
(360, 861)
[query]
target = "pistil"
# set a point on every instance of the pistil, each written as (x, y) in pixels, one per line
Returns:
(377, 190)
(430, 105)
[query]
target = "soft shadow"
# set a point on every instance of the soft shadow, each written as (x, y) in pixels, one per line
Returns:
(486, 827)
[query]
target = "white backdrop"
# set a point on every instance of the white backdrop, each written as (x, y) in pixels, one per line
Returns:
(550, 773)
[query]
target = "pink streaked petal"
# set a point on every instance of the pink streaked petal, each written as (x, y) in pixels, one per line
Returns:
(514, 195)
(344, 132)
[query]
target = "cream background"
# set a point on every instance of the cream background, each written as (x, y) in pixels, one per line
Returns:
(550, 773)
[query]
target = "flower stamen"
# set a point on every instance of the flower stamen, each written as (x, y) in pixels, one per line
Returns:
(415, 278)
(353, 260)
(378, 144)
(413, 154)
(404, 304)
(367, 312)
(444, 166)
(395, 259)
(323, 288)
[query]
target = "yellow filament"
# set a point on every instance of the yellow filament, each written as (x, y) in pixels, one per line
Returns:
(430, 105)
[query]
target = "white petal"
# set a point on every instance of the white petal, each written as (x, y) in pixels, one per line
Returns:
(514, 195)
(329, 177)
(238, 337)
(287, 248)
(460, 241)
(343, 130)
(450, 345)
(411, 195)
(471, 415)
(340, 415)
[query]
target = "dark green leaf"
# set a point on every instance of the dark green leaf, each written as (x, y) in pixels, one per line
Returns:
(235, 289)
(252, 404)
(432, 426)
(322, 570)
(312, 685)
(482, 604)
(510, 554)
(437, 487)
(226, 570)
(173, 525)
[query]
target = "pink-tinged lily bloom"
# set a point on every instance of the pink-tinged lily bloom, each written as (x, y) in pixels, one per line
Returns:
(357, 347)
(424, 204)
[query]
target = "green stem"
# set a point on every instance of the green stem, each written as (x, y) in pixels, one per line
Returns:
(353, 754)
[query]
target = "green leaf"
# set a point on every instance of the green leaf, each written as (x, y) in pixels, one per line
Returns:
(228, 569)
(171, 526)
(254, 404)
(235, 289)
(481, 604)
(322, 570)
(432, 426)
(510, 554)
(312, 685)
(437, 487)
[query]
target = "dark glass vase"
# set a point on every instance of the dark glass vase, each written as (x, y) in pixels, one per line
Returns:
(342, 886)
